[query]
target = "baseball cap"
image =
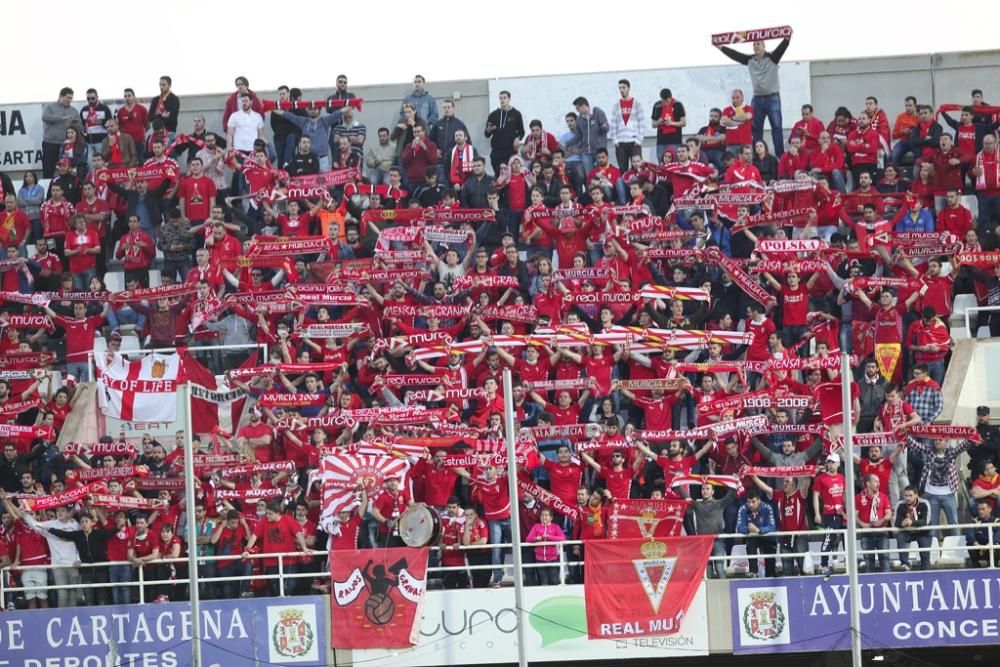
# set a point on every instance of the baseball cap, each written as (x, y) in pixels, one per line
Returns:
(983, 410)
(64, 162)
(833, 457)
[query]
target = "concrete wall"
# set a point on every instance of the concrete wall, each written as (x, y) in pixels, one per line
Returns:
(936, 78)
(381, 106)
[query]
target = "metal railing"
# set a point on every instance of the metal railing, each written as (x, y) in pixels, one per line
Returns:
(968, 319)
(285, 571)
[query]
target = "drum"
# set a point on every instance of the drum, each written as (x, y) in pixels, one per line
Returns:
(419, 526)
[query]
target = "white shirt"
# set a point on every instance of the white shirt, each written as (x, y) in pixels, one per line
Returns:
(245, 125)
(62, 551)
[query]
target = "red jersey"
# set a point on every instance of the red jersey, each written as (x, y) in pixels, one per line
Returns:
(391, 506)
(117, 544)
(82, 261)
(831, 405)
(893, 416)
(439, 484)
(142, 545)
(297, 227)
(956, 220)
(791, 511)
(888, 325)
(55, 217)
(348, 537)
(564, 480)
(830, 488)
(988, 484)
(198, 195)
(871, 507)
(741, 134)
(225, 252)
(93, 208)
(34, 546)
(863, 146)
(758, 350)
(263, 454)
(275, 537)
(494, 497)
(617, 482)
(672, 468)
(881, 469)
(230, 543)
(79, 335)
(794, 306)
(658, 412)
(136, 250)
(13, 227)
(133, 122)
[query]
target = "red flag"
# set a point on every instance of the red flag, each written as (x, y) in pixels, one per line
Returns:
(377, 597)
(642, 588)
(341, 473)
(214, 404)
(646, 518)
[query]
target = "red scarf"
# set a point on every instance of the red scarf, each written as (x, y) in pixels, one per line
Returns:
(667, 114)
(116, 148)
(986, 181)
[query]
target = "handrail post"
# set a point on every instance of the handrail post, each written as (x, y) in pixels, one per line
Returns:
(142, 584)
(281, 575)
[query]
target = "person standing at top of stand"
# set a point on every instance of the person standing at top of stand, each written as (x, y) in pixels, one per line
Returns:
(766, 102)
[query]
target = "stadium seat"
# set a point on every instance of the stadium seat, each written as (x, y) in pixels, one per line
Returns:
(983, 332)
(738, 563)
(114, 281)
(100, 346)
(963, 301)
(130, 344)
(970, 202)
(953, 552)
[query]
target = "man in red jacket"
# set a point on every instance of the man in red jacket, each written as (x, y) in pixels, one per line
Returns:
(986, 173)
(136, 250)
(954, 217)
(417, 156)
(808, 129)
(863, 147)
(874, 511)
(828, 160)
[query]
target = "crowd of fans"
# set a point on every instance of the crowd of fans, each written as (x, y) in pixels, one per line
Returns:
(563, 228)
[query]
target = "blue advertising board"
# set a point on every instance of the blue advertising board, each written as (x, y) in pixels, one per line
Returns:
(265, 631)
(904, 609)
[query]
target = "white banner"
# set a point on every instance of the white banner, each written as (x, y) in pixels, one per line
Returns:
(21, 137)
(479, 627)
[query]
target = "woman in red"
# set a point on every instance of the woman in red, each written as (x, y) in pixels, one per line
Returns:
(277, 533)
(82, 248)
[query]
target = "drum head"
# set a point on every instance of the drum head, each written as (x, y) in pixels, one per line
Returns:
(419, 526)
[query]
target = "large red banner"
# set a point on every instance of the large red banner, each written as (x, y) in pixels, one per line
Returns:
(642, 588)
(646, 518)
(377, 597)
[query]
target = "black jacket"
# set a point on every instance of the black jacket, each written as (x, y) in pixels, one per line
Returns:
(172, 105)
(508, 126)
(154, 201)
(93, 547)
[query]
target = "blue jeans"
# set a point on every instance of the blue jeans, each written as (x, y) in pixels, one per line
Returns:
(499, 533)
(901, 148)
(873, 541)
(950, 507)
(120, 574)
(717, 568)
(125, 315)
(233, 589)
(936, 370)
(770, 106)
(78, 369)
(589, 160)
(989, 212)
(81, 281)
(923, 540)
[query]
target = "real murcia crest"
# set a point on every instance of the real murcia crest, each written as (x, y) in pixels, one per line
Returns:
(654, 566)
